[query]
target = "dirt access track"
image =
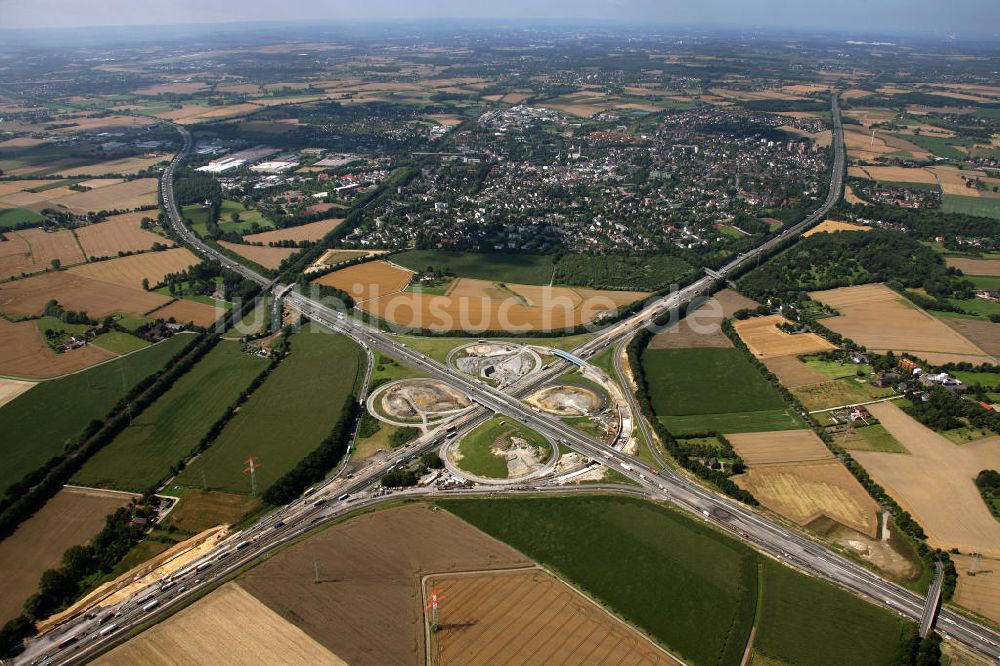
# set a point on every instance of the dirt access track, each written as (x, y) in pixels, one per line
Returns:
(935, 482)
(368, 606)
(880, 319)
(528, 616)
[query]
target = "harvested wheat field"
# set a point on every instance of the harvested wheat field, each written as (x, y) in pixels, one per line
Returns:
(306, 232)
(783, 446)
(513, 616)
(793, 473)
(833, 226)
(70, 518)
(199, 314)
(952, 181)
(24, 353)
(763, 337)
(75, 292)
(130, 271)
(851, 197)
(227, 626)
(268, 257)
(878, 318)
(125, 166)
(935, 483)
(975, 266)
(369, 280)
(177, 87)
(979, 593)
(118, 233)
(894, 174)
(478, 305)
(32, 250)
(368, 606)
(11, 388)
(804, 492)
(792, 372)
(121, 196)
(702, 327)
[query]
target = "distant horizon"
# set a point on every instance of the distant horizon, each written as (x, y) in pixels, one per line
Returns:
(979, 19)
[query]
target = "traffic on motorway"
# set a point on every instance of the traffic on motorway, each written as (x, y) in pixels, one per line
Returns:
(87, 636)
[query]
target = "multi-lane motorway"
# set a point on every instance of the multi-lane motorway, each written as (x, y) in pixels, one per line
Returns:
(83, 638)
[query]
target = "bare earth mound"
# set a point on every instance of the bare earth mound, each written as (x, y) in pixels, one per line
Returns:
(70, 518)
(763, 337)
(514, 617)
(368, 608)
(877, 317)
(935, 482)
(227, 626)
(701, 328)
(566, 400)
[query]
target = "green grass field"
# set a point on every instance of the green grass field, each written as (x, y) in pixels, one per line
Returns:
(981, 206)
(985, 281)
(142, 454)
(975, 308)
(38, 424)
(762, 421)
(689, 586)
(496, 266)
(117, 342)
(836, 369)
(286, 418)
(873, 438)
(807, 621)
(939, 145)
(706, 381)
(984, 378)
(13, 216)
(477, 457)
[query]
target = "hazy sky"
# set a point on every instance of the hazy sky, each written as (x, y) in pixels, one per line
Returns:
(980, 17)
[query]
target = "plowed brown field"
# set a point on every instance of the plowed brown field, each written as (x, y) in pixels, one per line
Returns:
(268, 257)
(935, 482)
(368, 606)
(228, 626)
(702, 328)
(975, 266)
(24, 353)
(199, 314)
(75, 292)
(877, 317)
(70, 518)
(763, 337)
(528, 616)
(792, 372)
(118, 232)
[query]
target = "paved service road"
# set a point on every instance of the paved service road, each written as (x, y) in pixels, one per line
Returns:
(338, 495)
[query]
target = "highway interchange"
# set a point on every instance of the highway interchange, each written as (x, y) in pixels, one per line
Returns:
(83, 638)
